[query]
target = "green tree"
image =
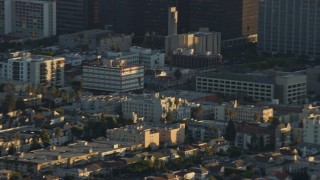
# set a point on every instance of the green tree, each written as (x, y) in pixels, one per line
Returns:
(9, 103)
(35, 144)
(169, 117)
(15, 175)
(230, 132)
(12, 150)
(261, 143)
(17, 136)
(58, 132)
(76, 131)
(45, 137)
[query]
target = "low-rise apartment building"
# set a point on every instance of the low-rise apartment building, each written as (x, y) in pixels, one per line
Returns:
(37, 162)
(150, 134)
(135, 133)
(154, 108)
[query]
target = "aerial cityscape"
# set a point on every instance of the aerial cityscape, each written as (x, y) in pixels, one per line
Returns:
(160, 89)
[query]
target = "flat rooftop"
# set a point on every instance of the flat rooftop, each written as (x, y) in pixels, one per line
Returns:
(254, 78)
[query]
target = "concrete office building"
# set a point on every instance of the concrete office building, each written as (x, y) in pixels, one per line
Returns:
(289, 27)
(287, 87)
(77, 15)
(291, 88)
(114, 76)
(202, 42)
(34, 69)
(28, 18)
(258, 87)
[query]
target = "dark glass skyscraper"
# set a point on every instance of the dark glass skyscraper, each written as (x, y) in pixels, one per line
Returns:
(289, 26)
(77, 15)
(233, 18)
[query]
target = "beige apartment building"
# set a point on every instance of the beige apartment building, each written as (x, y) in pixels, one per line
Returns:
(137, 134)
(149, 135)
(172, 135)
(203, 42)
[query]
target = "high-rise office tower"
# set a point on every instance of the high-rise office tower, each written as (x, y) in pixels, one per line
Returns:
(172, 21)
(5, 17)
(123, 16)
(28, 18)
(233, 18)
(289, 26)
(77, 15)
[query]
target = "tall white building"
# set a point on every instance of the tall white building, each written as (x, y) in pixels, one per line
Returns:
(34, 69)
(311, 129)
(28, 18)
(114, 76)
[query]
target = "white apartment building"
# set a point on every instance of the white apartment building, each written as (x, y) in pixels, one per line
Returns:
(113, 77)
(150, 59)
(28, 18)
(34, 69)
(258, 88)
(202, 42)
(152, 107)
(311, 130)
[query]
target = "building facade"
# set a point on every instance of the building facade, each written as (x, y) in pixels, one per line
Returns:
(154, 108)
(289, 27)
(77, 15)
(202, 42)
(136, 134)
(113, 77)
(256, 87)
(291, 88)
(34, 69)
(217, 15)
(287, 87)
(96, 39)
(311, 126)
(25, 18)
